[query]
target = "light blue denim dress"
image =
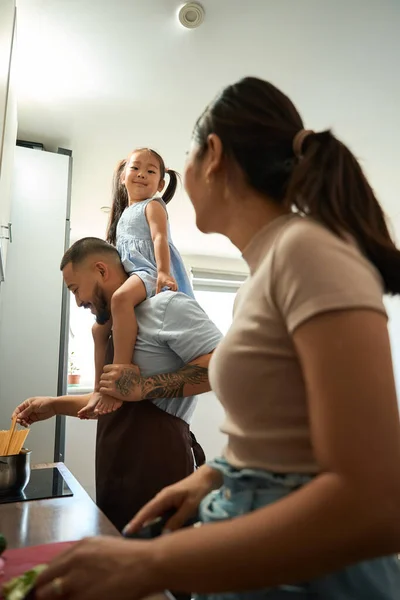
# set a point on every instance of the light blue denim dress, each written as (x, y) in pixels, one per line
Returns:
(136, 249)
(245, 490)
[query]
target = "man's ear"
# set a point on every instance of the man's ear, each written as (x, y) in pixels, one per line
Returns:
(102, 269)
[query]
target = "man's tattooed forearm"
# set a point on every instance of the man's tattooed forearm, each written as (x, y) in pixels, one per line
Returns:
(166, 385)
(128, 380)
(171, 385)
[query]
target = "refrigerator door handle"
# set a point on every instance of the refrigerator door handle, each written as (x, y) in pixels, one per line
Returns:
(9, 236)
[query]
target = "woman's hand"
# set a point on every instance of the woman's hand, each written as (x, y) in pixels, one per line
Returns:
(122, 382)
(99, 569)
(185, 496)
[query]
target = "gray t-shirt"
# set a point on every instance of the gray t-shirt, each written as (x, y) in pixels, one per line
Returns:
(173, 330)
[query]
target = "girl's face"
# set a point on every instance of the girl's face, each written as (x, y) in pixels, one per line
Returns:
(142, 176)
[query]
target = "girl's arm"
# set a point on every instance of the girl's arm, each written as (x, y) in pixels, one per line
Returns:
(100, 334)
(158, 223)
(350, 512)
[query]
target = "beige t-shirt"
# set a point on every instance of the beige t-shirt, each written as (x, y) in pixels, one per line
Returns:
(298, 270)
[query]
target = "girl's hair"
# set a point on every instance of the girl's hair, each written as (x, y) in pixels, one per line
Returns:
(257, 125)
(120, 199)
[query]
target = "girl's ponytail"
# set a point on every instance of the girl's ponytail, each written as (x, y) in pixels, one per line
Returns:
(171, 187)
(119, 202)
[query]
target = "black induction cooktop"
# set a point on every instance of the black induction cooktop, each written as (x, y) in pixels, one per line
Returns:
(43, 484)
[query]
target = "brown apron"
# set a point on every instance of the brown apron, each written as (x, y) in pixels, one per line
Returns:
(140, 449)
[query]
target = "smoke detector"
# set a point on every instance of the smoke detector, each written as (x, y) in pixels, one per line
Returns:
(191, 15)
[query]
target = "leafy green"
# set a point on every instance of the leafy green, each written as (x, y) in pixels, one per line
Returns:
(18, 588)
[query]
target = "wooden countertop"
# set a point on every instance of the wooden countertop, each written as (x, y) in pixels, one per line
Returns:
(63, 519)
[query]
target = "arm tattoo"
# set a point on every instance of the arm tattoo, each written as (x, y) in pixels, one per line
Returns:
(165, 385)
(171, 385)
(128, 380)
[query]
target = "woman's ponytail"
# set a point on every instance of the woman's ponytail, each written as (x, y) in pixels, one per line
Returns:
(329, 185)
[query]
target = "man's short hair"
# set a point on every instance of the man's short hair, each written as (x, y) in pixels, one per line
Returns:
(85, 247)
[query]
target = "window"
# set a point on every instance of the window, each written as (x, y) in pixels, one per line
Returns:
(218, 306)
(215, 291)
(81, 343)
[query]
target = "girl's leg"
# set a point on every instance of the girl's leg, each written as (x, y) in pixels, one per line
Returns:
(123, 302)
(100, 333)
(130, 294)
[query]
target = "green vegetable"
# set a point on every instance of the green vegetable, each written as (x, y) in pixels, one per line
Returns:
(19, 587)
(3, 544)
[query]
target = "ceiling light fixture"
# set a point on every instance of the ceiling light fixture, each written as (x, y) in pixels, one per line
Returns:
(191, 15)
(105, 209)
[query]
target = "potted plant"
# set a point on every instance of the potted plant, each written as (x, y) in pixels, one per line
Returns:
(73, 371)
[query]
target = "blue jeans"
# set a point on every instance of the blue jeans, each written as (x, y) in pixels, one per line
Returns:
(246, 490)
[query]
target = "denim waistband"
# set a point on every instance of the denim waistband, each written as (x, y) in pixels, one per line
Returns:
(255, 479)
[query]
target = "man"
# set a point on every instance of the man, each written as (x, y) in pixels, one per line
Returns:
(146, 444)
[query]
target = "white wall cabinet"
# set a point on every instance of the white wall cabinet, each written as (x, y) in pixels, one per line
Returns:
(8, 122)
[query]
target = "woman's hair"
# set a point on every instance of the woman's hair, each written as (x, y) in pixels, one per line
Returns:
(257, 125)
(120, 199)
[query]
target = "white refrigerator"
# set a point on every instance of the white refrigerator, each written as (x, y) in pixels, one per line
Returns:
(34, 302)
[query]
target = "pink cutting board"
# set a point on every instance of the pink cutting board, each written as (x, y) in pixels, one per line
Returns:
(22, 559)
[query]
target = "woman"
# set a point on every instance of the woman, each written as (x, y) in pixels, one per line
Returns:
(311, 472)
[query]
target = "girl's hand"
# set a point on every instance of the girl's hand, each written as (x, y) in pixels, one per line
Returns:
(99, 569)
(185, 496)
(165, 280)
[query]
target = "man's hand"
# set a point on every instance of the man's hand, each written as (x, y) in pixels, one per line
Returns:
(122, 382)
(35, 409)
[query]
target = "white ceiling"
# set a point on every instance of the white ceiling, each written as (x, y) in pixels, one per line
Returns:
(105, 76)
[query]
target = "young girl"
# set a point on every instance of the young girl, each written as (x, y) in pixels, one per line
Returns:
(139, 229)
